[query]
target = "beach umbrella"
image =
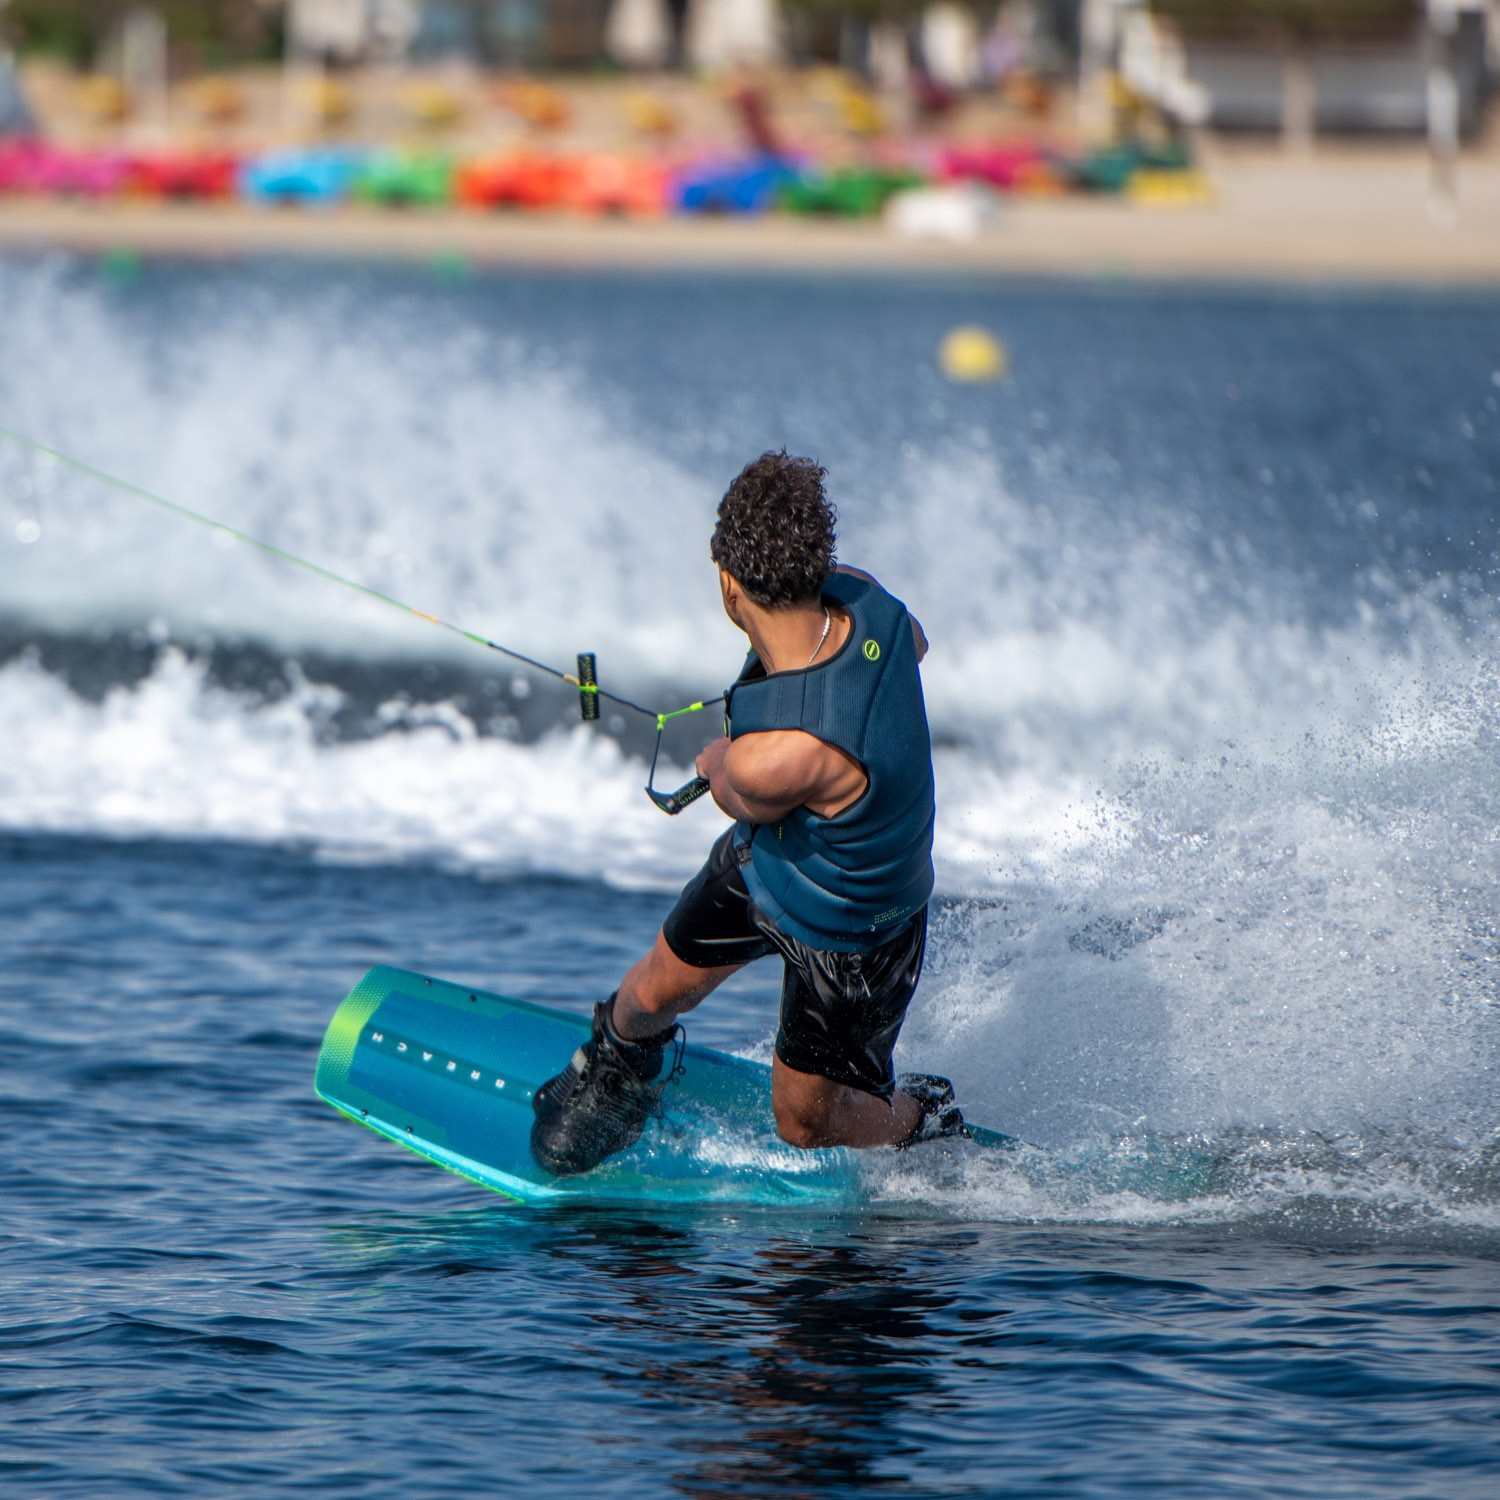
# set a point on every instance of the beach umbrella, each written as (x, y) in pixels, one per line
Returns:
(722, 33)
(950, 45)
(639, 33)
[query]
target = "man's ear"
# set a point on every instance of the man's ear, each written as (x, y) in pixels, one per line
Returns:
(729, 590)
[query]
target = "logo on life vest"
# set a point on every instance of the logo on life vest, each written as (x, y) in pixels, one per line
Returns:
(872, 650)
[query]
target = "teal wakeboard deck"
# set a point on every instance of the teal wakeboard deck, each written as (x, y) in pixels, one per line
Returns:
(450, 1072)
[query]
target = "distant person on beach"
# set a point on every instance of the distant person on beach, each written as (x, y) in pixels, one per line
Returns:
(748, 100)
(826, 769)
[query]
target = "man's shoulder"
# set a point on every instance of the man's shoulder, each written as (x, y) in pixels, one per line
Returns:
(849, 584)
(856, 589)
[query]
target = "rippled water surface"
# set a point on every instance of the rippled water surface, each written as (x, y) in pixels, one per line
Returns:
(1211, 589)
(213, 1280)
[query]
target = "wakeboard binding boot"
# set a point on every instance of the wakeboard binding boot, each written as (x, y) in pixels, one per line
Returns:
(941, 1118)
(600, 1103)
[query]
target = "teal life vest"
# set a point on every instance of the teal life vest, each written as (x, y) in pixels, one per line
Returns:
(849, 882)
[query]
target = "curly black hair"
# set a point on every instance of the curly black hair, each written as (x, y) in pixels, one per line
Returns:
(775, 535)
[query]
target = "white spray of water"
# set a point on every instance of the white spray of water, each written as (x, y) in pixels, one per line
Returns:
(501, 501)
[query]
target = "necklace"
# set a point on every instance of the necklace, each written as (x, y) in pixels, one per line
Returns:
(827, 624)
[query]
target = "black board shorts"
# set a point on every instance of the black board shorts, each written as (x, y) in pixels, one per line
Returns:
(840, 1012)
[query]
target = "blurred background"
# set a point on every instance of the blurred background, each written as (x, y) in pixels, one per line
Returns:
(1256, 129)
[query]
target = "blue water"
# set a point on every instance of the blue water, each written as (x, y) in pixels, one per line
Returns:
(1211, 587)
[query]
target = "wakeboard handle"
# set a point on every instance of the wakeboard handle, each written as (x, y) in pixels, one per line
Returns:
(673, 803)
(587, 682)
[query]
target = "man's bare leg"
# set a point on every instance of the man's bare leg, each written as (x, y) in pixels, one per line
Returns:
(813, 1111)
(659, 989)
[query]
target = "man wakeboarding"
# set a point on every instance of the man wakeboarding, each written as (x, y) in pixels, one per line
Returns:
(826, 769)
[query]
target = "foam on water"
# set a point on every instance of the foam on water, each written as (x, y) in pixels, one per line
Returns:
(463, 476)
(1213, 864)
(1326, 1188)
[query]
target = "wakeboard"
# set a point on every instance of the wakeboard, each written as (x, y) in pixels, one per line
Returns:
(449, 1072)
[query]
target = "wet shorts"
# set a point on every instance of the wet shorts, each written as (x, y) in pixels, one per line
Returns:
(840, 1012)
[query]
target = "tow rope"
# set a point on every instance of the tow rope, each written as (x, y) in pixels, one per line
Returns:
(586, 679)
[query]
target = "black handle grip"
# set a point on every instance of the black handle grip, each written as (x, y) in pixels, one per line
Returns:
(588, 686)
(673, 803)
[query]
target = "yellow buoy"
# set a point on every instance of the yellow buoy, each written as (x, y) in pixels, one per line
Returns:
(973, 355)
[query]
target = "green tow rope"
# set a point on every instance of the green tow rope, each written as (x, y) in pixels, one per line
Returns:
(585, 680)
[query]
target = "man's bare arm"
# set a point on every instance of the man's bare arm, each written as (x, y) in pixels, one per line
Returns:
(760, 778)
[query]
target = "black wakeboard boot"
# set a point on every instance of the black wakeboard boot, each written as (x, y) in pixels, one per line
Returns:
(600, 1103)
(941, 1118)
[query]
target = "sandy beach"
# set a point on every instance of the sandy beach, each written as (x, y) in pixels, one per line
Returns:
(1338, 215)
